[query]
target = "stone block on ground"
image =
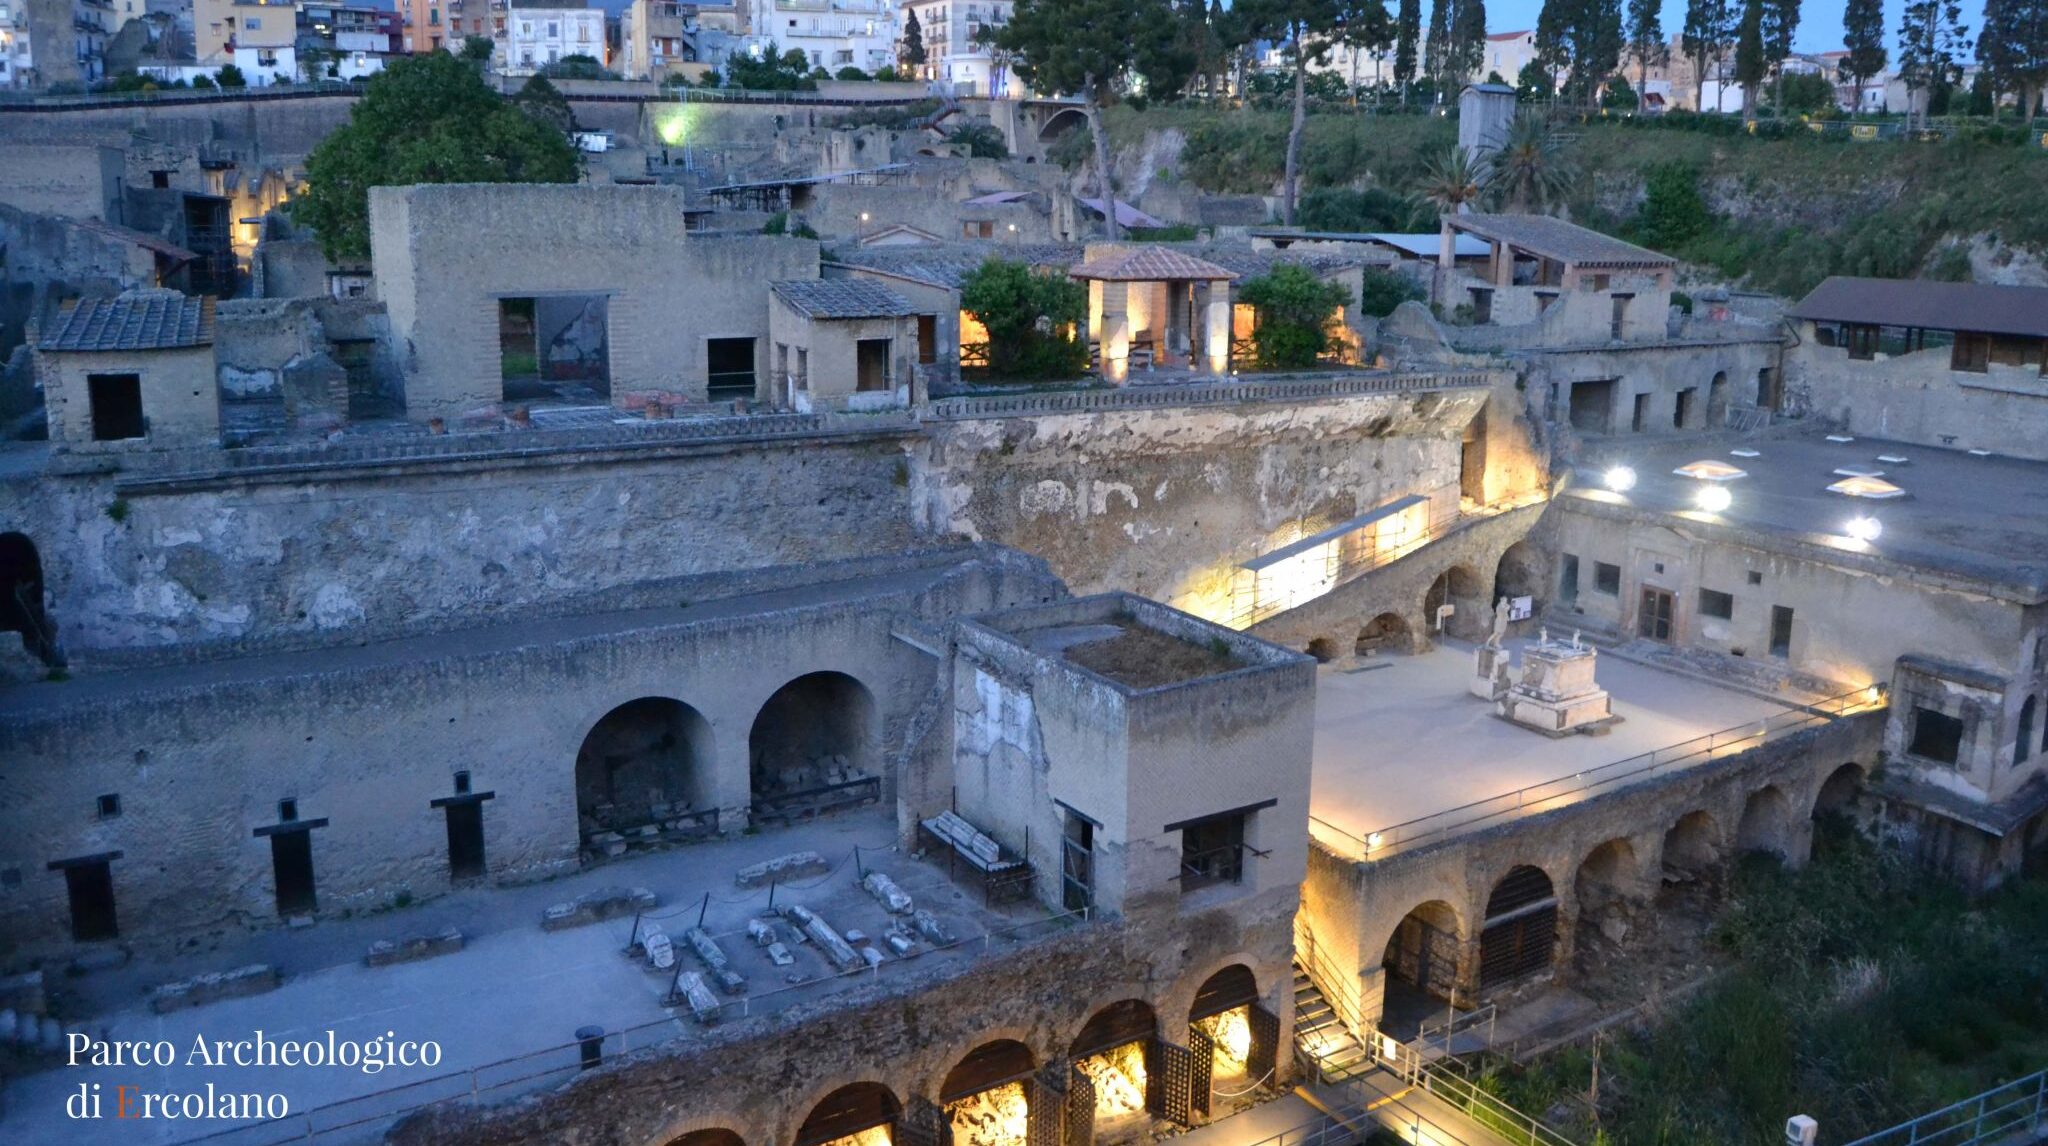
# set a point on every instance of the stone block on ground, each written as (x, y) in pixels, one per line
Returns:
(661, 950)
(782, 869)
(23, 993)
(598, 906)
(254, 979)
(900, 943)
(778, 954)
(714, 960)
(703, 1004)
(871, 957)
(820, 932)
(761, 932)
(413, 947)
(929, 927)
(887, 893)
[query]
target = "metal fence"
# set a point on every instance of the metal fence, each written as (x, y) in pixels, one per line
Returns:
(362, 1118)
(1273, 388)
(1557, 793)
(2001, 1114)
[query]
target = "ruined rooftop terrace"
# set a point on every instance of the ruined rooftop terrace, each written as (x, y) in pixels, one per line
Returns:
(1135, 644)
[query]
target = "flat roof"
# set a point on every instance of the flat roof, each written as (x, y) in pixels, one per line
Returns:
(1559, 240)
(1984, 518)
(1978, 308)
(1398, 738)
(1425, 244)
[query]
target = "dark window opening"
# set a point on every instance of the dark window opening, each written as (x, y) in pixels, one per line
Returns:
(1716, 604)
(116, 401)
(161, 180)
(2023, 745)
(91, 889)
(288, 810)
(1653, 620)
(1620, 322)
(1971, 352)
(462, 783)
(1781, 631)
(1861, 340)
(1591, 408)
(730, 364)
(1936, 736)
(871, 364)
(1568, 578)
(1640, 421)
(1472, 460)
(1077, 863)
(1682, 410)
(291, 861)
(927, 339)
(1212, 851)
(555, 348)
(1482, 305)
(1607, 578)
(1756, 577)
(110, 805)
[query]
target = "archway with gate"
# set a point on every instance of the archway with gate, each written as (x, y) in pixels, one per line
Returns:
(1520, 932)
(1234, 1039)
(21, 597)
(1834, 807)
(857, 1114)
(813, 747)
(990, 1094)
(715, 1137)
(1421, 964)
(1118, 1073)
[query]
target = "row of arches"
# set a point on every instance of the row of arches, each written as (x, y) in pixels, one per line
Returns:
(1520, 572)
(1115, 1075)
(647, 769)
(1427, 961)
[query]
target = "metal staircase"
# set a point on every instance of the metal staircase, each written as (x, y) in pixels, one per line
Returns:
(1321, 1036)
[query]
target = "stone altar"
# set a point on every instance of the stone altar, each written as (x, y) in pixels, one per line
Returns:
(1557, 693)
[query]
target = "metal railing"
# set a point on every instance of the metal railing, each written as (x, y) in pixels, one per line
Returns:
(1485, 1108)
(1270, 388)
(1440, 826)
(1339, 990)
(1996, 1115)
(509, 1077)
(1342, 562)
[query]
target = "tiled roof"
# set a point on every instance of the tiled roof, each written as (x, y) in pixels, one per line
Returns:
(1976, 308)
(138, 320)
(1247, 262)
(1557, 239)
(842, 298)
(141, 239)
(949, 265)
(1150, 263)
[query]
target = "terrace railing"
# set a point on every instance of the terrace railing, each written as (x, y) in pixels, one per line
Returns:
(1451, 822)
(2015, 1112)
(1271, 388)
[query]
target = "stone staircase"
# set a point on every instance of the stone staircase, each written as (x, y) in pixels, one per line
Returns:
(1321, 1037)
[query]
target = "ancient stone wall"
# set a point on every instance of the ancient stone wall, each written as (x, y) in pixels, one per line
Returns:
(1917, 398)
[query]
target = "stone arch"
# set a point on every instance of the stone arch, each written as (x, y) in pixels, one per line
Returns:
(1607, 890)
(1060, 123)
(1421, 962)
(1386, 633)
(848, 1112)
(2023, 744)
(21, 597)
(1766, 823)
(1691, 855)
(1519, 935)
(645, 763)
(1521, 572)
(1324, 649)
(987, 1095)
(714, 1137)
(1839, 791)
(1110, 1049)
(1717, 400)
(1221, 1013)
(817, 731)
(1458, 586)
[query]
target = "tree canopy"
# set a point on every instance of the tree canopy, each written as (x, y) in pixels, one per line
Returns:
(424, 119)
(1294, 307)
(1030, 316)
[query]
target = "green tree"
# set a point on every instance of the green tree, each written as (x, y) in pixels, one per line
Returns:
(1468, 41)
(1533, 83)
(1646, 46)
(1454, 182)
(1673, 212)
(544, 103)
(1780, 24)
(1750, 64)
(1529, 171)
(424, 119)
(478, 49)
(851, 74)
(1436, 46)
(1806, 93)
(2013, 49)
(1932, 39)
(1383, 290)
(1031, 317)
(1294, 308)
(910, 53)
(1553, 51)
(1709, 29)
(1619, 94)
(1863, 36)
(1407, 34)
(230, 77)
(788, 71)
(981, 139)
(1309, 28)
(1089, 49)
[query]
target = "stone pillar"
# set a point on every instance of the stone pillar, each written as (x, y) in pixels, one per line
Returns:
(1218, 340)
(1115, 336)
(1503, 265)
(1372, 1002)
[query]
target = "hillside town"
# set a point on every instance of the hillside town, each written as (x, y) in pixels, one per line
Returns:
(1022, 573)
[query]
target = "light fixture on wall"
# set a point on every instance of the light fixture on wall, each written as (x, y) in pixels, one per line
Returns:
(1713, 498)
(1620, 479)
(1864, 529)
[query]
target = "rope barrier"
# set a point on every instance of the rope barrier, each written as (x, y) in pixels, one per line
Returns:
(1247, 1090)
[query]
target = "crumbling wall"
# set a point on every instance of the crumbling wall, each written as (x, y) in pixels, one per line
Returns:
(1917, 398)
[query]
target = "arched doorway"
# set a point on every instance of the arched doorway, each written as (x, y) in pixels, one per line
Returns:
(1114, 1053)
(1834, 808)
(643, 776)
(2023, 743)
(812, 747)
(1386, 633)
(1520, 930)
(21, 597)
(1717, 401)
(859, 1114)
(1459, 588)
(1233, 1038)
(1692, 857)
(1608, 893)
(1766, 824)
(1421, 965)
(988, 1095)
(708, 1138)
(1520, 574)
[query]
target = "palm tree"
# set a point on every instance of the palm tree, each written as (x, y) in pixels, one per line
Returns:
(1454, 183)
(1530, 170)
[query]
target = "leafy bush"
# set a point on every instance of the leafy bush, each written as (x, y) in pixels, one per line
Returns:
(1375, 209)
(1031, 317)
(1673, 211)
(885, 74)
(790, 71)
(982, 140)
(1385, 289)
(1293, 307)
(849, 72)
(230, 77)
(778, 224)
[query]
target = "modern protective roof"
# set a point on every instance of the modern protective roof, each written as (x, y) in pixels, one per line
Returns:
(158, 244)
(948, 265)
(1247, 262)
(1978, 308)
(1559, 240)
(1126, 215)
(1422, 245)
(138, 320)
(842, 298)
(1150, 264)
